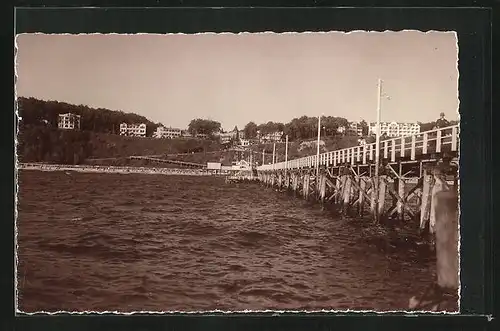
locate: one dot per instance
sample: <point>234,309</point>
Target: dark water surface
<point>95,242</point>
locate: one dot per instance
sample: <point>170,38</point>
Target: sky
<point>238,78</point>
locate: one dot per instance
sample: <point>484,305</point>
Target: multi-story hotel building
<point>394,129</point>
<point>225,138</point>
<point>354,129</point>
<point>164,132</point>
<point>68,121</point>
<point>136,130</point>
<point>271,137</point>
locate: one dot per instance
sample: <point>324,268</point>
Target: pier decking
<point>346,178</point>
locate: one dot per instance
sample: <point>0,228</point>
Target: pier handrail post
<point>377,150</point>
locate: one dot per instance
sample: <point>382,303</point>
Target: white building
<point>241,165</point>
<point>136,130</point>
<point>271,137</point>
<point>202,135</point>
<point>225,137</point>
<point>68,121</point>
<point>353,129</point>
<point>244,142</point>
<point>186,134</point>
<point>395,129</point>
<point>164,132</point>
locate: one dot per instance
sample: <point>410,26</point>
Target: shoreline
<point>115,169</point>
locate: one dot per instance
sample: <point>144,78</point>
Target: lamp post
<point>377,151</point>
<point>317,147</point>
<point>274,155</point>
<point>286,152</point>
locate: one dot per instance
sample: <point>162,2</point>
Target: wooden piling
<point>439,186</point>
<point>382,190</point>
<point>346,193</point>
<point>401,192</point>
<point>374,198</point>
<point>447,236</point>
<point>305,188</point>
<point>338,188</point>
<point>425,206</point>
<point>362,192</point>
<point>322,191</point>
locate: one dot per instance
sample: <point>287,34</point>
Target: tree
<point>37,112</point>
<point>202,126</point>
<point>364,127</point>
<point>250,130</point>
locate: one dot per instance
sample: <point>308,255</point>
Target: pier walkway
<point>412,170</point>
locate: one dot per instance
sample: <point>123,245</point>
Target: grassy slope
<point>41,144</point>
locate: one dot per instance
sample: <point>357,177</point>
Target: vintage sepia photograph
<point>237,172</point>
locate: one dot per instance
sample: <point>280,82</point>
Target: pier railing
<point>407,147</point>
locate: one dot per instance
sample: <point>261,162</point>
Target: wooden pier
<point>412,171</point>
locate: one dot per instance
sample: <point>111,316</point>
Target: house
<point>135,130</point>
<point>244,142</point>
<point>395,129</point>
<point>271,137</point>
<point>68,121</point>
<point>353,129</point>
<point>164,132</point>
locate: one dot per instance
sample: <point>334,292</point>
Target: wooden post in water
<point>347,193</point>
<point>382,188</point>
<point>294,183</point>
<point>305,187</point>
<point>322,191</point>
<point>362,190</point>
<point>439,186</point>
<point>447,254</point>
<point>426,199</point>
<point>373,197</point>
<point>338,188</point>
<point>402,193</point>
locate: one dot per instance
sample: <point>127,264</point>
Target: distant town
<point>71,121</point>
<point>61,133</point>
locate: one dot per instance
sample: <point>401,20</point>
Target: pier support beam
<point>425,206</point>
<point>322,188</point>
<point>374,198</point>
<point>362,192</point>
<point>346,193</point>
<point>402,192</point>
<point>440,185</point>
<point>382,190</point>
<point>305,187</point>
